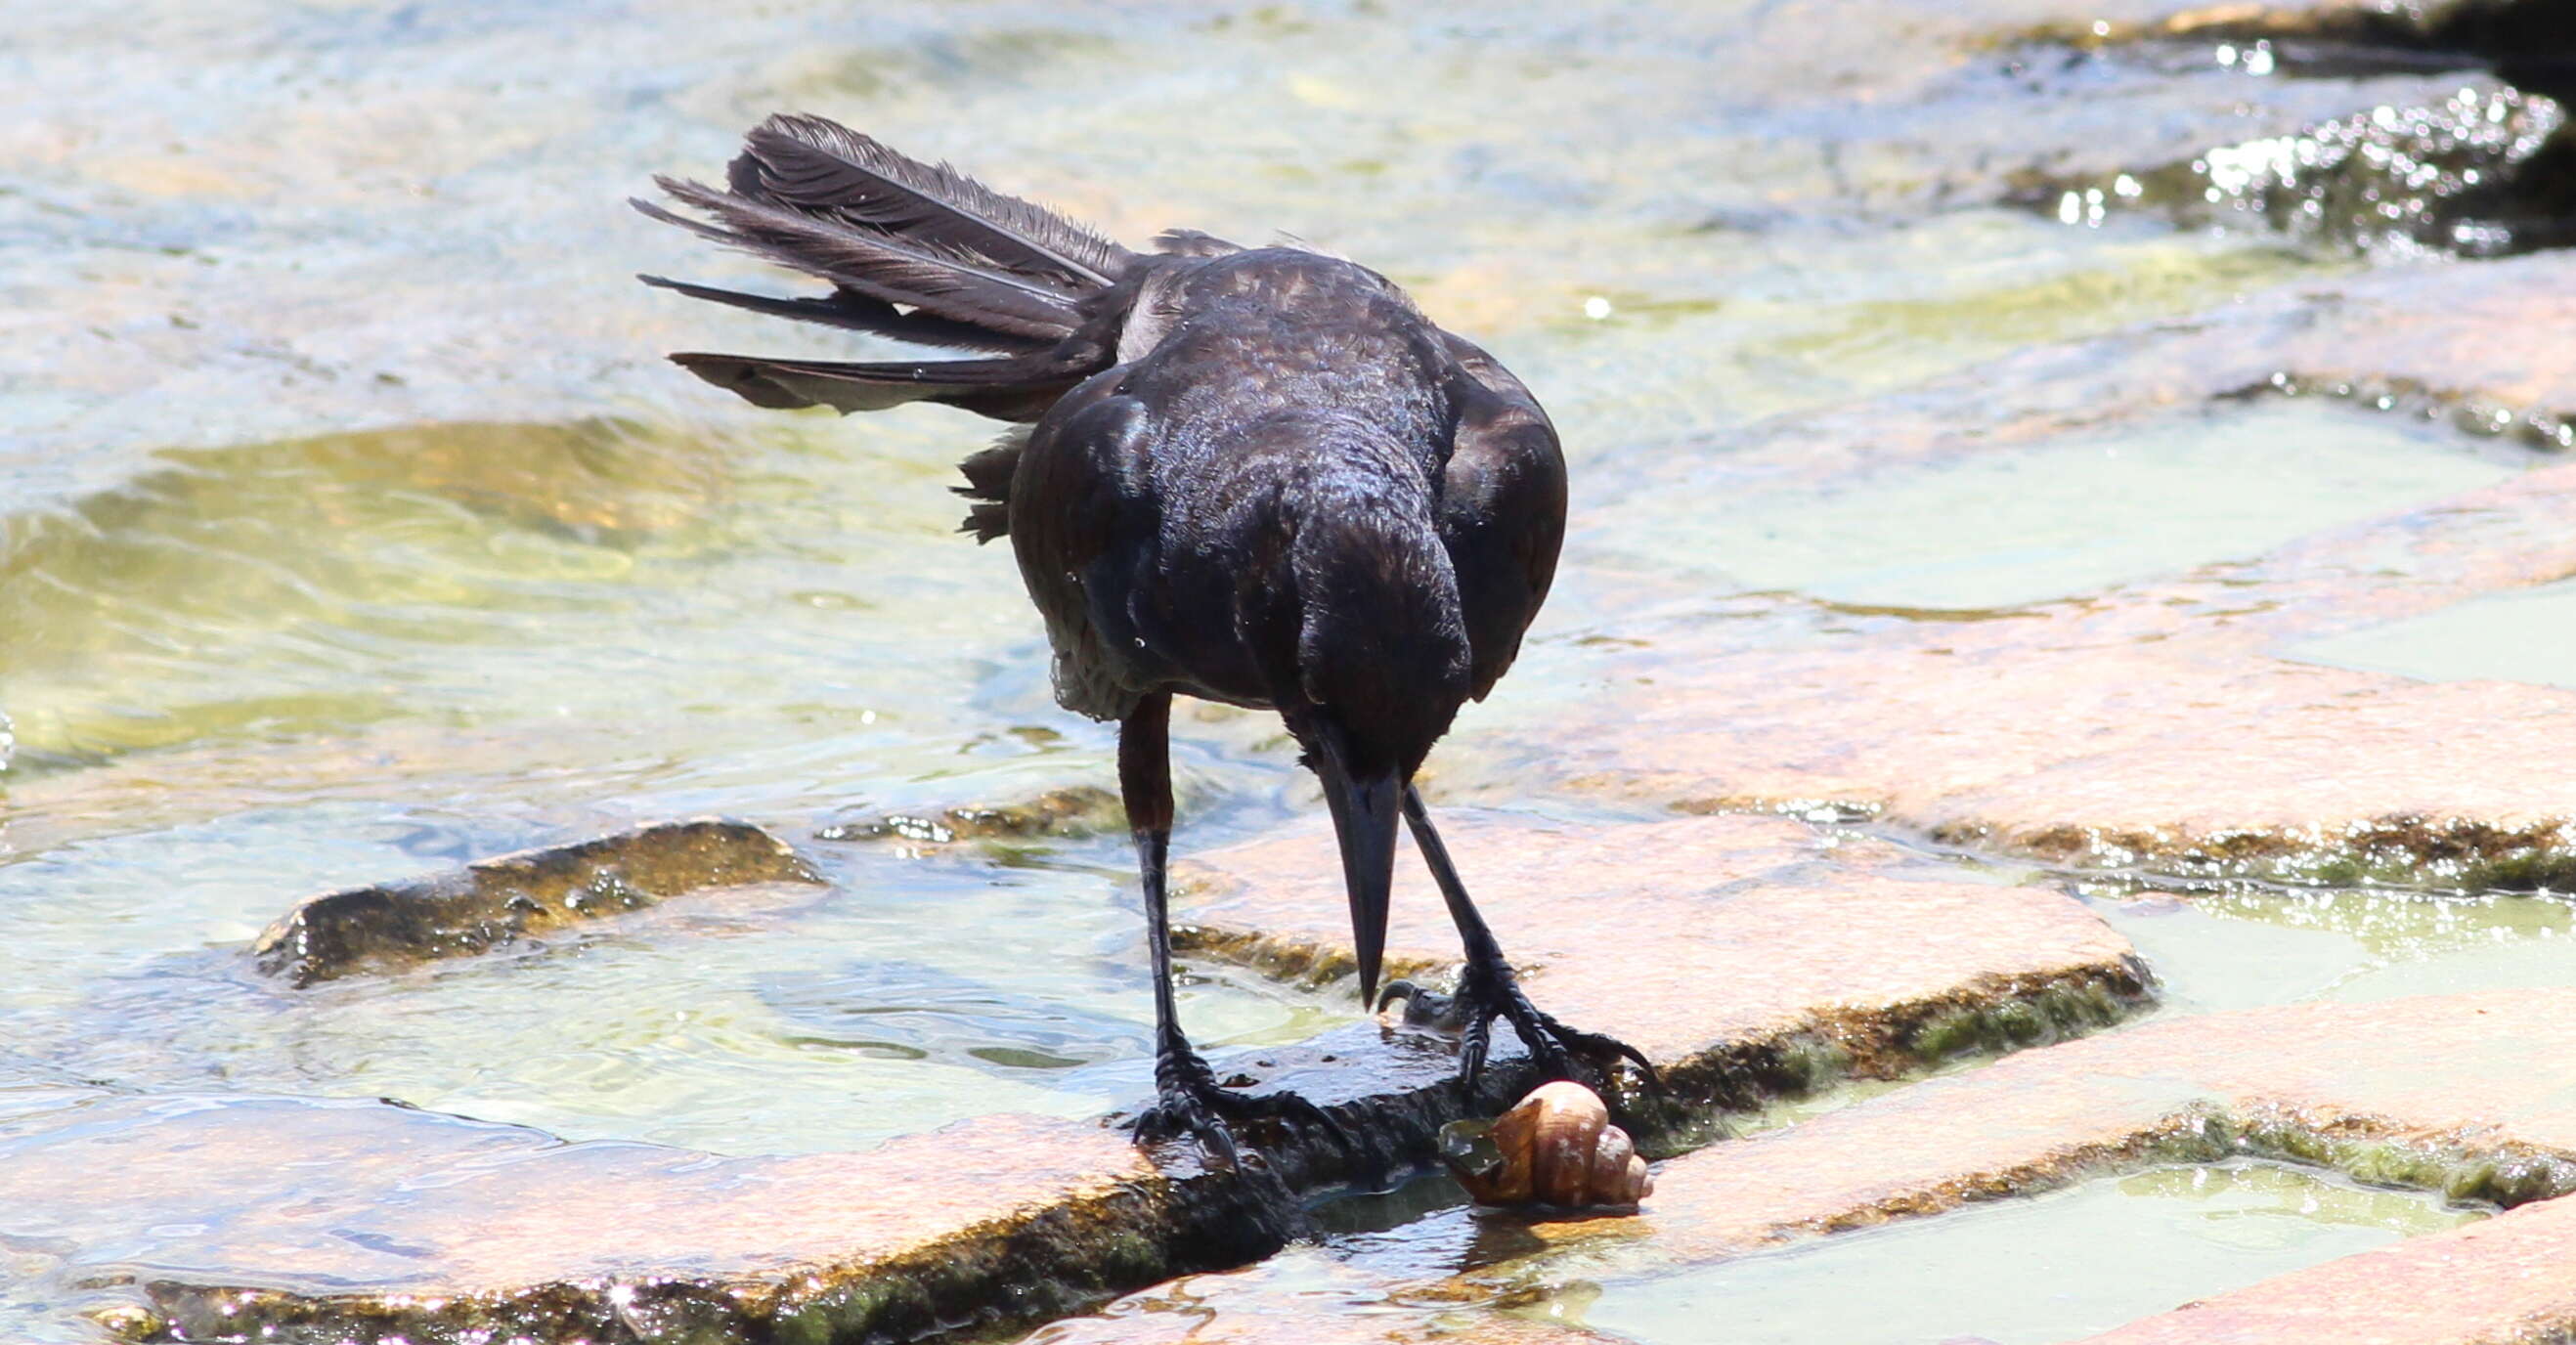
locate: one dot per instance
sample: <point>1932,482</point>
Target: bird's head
<point>1383,665</point>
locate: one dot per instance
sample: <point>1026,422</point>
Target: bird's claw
<point>1189,1100</point>
<point>1489,990</point>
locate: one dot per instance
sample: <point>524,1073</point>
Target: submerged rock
<point>2481,172</point>
<point>908,1010</point>
<point>492,902</point>
<point>1305,1296</point>
<point>2451,138</point>
<point>1074,811</point>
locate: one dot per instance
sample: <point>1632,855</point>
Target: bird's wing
<point>1078,504</point>
<point>1502,509</point>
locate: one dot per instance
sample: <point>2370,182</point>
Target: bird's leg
<point>1187,1095</point>
<point>1488,989</point>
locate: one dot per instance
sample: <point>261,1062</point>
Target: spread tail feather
<point>885,267</point>
<point>917,252</point>
<point>857,312</point>
<point>1007,389</point>
<point>821,167</point>
<point>898,238</point>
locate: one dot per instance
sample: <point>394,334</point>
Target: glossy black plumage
<point>1252,475</point>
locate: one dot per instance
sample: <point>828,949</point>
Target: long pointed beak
<point>1364,819</point>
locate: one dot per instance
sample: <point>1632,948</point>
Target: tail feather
<point>881,266</point>
<point>918,252</point>
<point>1006,389</point>
<point>847,308</point>
<point>823,168</point>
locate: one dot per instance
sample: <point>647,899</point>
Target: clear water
<point>2052,1267</point>
<point>1982,527</point>
<point>2526,636</point>
<point>2255,946</point>
<point>784,1019</point>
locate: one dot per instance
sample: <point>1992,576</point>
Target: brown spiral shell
<point>1556,1148</point>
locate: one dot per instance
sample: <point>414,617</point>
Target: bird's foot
<point>1189,1100</point>
<point>1489,990</point>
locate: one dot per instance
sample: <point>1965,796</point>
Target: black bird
<point>1252,475</point>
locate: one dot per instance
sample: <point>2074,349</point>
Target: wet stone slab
<point>1810,959</point>
<point>1676,934</point>
<point>2133,757</point>
<point>2167,721</point>
<point>499,901</point>
<point>2472,1097</point>
<point>2046,1268</point>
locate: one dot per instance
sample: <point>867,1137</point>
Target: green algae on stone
<point>2453,855</point>
<point>498,901</point>
<point>2052,1011</point>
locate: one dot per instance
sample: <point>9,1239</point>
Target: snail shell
<point>1557,1147</point>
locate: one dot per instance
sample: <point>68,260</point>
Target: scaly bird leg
<point>1187,1095</point>
<point>1488,988</point>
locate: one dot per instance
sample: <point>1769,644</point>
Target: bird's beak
<point>1364,819</point>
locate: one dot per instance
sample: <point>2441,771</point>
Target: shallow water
<point>845,1014</point>
<point>2528,636</point>
<point>2026,1272</point>
<point>2255,945</point>
<point>2081,513</point>
<point>352,526</point>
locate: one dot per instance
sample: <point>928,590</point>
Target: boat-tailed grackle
<point>1252,475</point>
